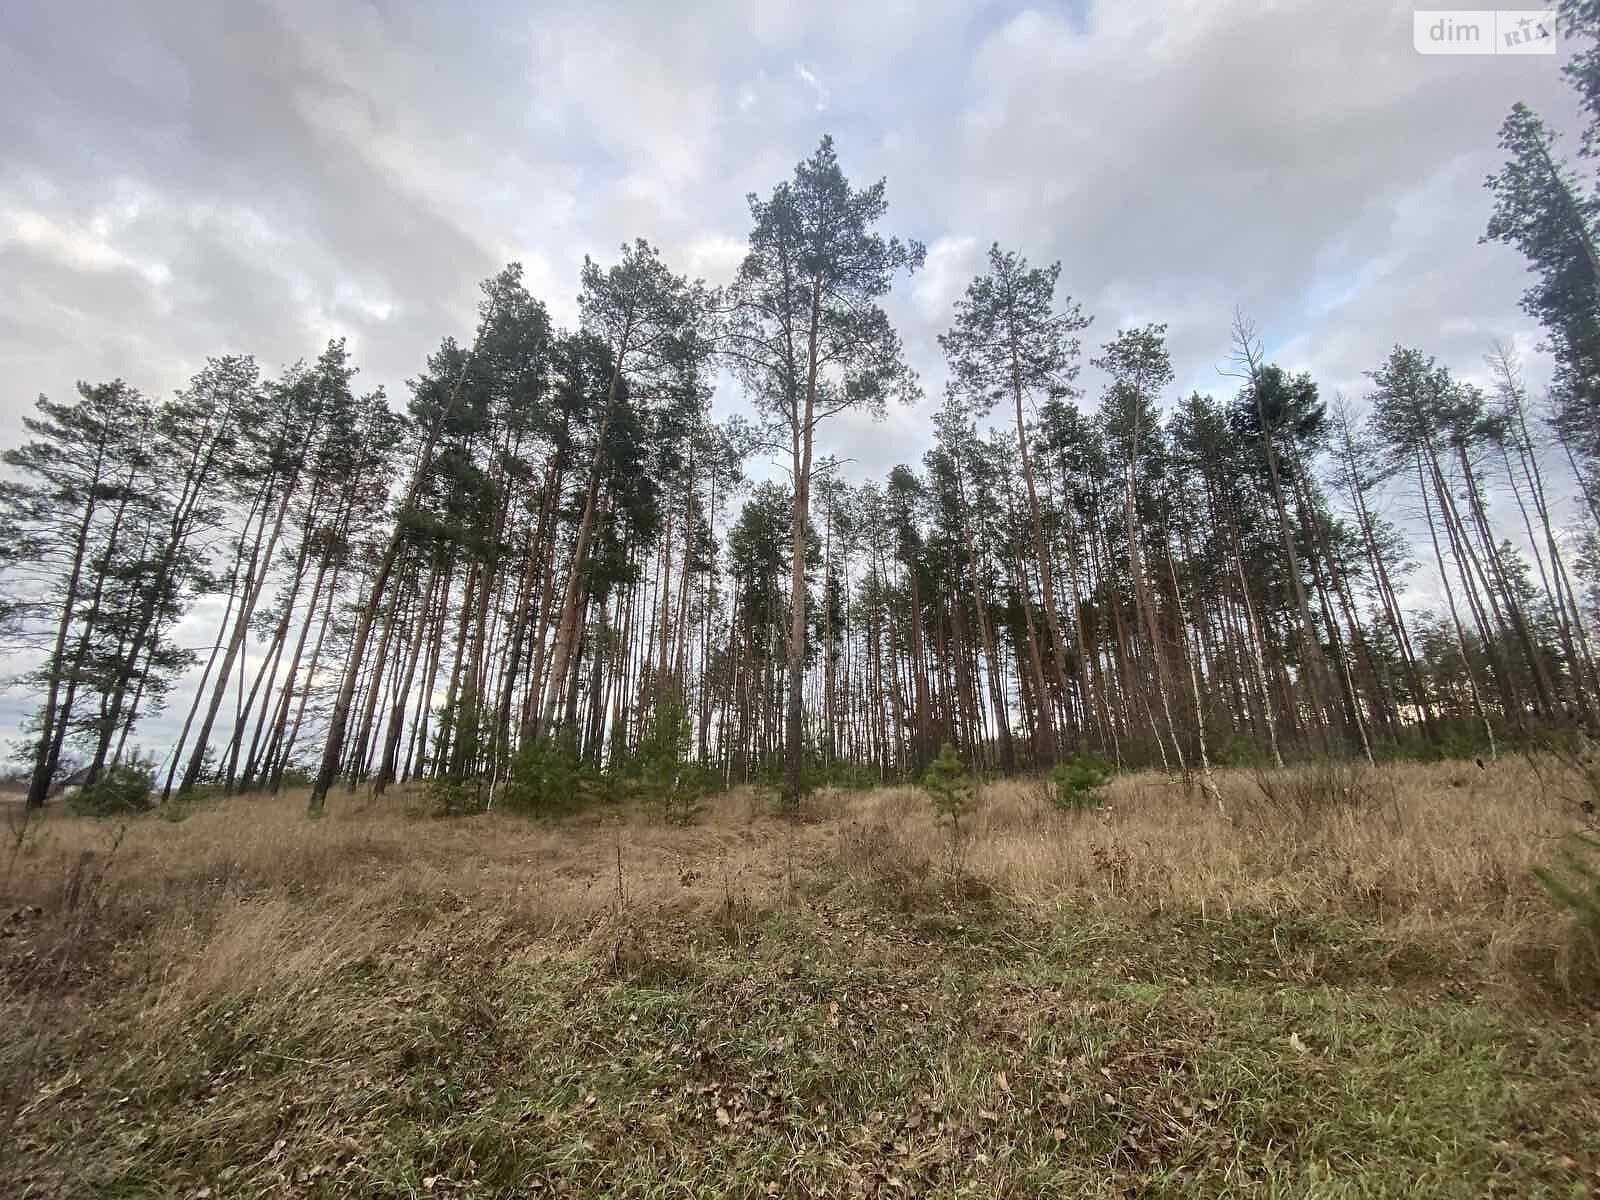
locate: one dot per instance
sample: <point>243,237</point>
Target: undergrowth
<point>1349,985</point>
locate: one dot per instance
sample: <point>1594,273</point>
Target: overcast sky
<point>180,180</point>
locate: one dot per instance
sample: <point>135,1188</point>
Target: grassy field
<point>1344,983</point>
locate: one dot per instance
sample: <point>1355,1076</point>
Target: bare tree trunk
<point>333,751</point>
<point>255,584</point>
<point>1046,580</point>
<point>48,752</point>
<point>1455,616</point>
<point>1208,783</point>
<point>280,719</point>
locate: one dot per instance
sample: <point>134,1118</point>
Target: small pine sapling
<point>122,788</point>
<point>1079,783</point>
<point>545,776</point>
<point>950,788</point>
<point>666,780</point>
<point>1575,883</point>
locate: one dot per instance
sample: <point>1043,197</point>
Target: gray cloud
<point>190,178</point>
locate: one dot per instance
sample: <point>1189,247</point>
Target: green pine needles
<point>950,787</point>
<point>1575,882</point>
<point>1080,783</point>
<point>662,776</point>
<point>122,788</point>
<point>548,777</point>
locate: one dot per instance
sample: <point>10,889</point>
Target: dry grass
<point>1438,854</point>
<point>208,967</point>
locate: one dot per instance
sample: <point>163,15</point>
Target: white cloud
<point>951,264</point>
<point>714,257</point>
<point>806,76</point>
<point>88,247</point>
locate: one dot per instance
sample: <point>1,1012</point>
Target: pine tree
<point>66,515</point>
<point>809,341</point>
<point>1010,339</point>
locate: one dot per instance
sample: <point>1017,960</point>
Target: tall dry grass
<point>207,972</point>
<point>1427,855</point>
<point>249,896</point>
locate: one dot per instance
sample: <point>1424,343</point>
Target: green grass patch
<point>826,1054</point>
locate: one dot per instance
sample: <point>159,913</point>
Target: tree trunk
<point>333,750</point>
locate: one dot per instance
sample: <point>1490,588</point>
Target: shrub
<point>121,789</point>
<point>845,776</point>
<point>1079,783</point>
<point>297,775</point>
<point>456,794</point>
<point>544,777</point>
<point>1241,750</point>
<point>1575,883</point>
<point>662,777</point>
<point>676,790</point>
<point>949,787</point>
